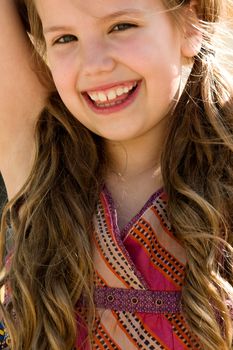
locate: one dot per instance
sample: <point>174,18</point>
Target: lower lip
<point>113,109</point>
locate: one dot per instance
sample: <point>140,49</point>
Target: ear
<point>192,36</point>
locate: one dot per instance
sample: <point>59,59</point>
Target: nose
<point>96,59</point>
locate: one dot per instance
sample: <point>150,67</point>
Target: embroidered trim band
<point>134,300</point>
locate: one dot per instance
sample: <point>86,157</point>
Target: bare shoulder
<point>22,97</point>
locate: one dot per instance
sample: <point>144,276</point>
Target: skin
<point>21,99</point>
<point>104,55</point>
<point>97,52</point>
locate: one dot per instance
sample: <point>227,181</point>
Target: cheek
<point>152,51</point>
<point>165,59</point>
<point>64,82</point>
<point>62,71</point>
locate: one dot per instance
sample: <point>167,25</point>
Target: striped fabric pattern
<point>144,256</point>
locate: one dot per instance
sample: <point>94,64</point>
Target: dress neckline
<point>150,201</point>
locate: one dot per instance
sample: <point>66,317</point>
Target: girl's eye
<point>65,39</point>
<point>122,26</point>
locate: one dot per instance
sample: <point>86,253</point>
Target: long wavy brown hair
<point>51,265</point>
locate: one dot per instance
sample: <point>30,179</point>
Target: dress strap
<point>134,300</point>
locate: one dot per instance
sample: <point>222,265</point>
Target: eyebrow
<point>128,12</point>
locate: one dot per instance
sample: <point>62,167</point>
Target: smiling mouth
<point>114,97</point>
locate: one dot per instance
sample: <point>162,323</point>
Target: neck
<point>134,173</point>
<point>133,158</point>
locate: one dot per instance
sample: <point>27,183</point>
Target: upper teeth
<point>110,95</point>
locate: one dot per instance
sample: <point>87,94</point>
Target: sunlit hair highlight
<point>52,269</point>
<point>197,168</point>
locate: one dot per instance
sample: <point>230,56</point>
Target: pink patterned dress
<point>139,276</point>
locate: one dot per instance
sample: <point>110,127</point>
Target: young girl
<point>118,232</point>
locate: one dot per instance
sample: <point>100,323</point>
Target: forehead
<point>93,8</point>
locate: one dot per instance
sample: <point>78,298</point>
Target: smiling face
<point>116,63</point>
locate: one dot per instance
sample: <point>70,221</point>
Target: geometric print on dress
<point>98,281</point>
<point>160,258</point>
<point>160,206</point>
<point>136,330</point>
<point>182,331</point>
<point>101,339</point>
<point>114,268</point>
<point>137,334</point>
<point>111,252</point>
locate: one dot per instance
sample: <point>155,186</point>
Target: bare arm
<point>21,99</point>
